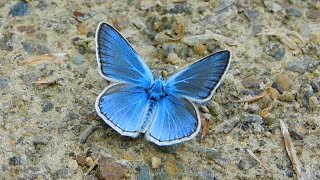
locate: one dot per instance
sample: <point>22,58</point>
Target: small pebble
<point>155,162</point>
<point>291,11</point>
<point>303,65</point>
<point>200,49</point>
<point>252,118</point>
<point>3,83</point>
<point>62,174</point>
<point>172,58</point>
<point>252,14</point>
<point>19,9</point>
<point>298,131</point>
<point>244,164</point>
<point>144,173</point>
<point>89,161</point>
<point>276,50</point>
<point>47,106</point>
<point>73,165</point>
<point>313,14</point>
<point>284,82</point>
<point>314,84</point>
<point>109,169</point>
<point>81,159</point>
<point>313,103</point>
<point>14,161</point>
<point>251,82</point>
<point>27,46</point>
<point>78,60</point>
<point>218,157</point>
<point>214,108</point>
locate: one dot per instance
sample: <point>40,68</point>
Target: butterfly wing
<point>122,106</point>
<point>175,120</point>
<point>117,60</point>
<point>198,81</point>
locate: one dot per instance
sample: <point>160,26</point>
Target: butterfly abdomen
<point>149,113</point>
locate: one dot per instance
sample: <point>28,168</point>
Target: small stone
<point>314,84</point>
<point>200,49</point>
<point>182,7</point>
<point>73,115</point>
<point>47,106</point>
<point>214,108</point>
<point>253,108</point>
<point>313,103</point>
<point>245,164</point>
<point>303,65</point>
<point>62,173</point>
<point>172,58</point>
<point>252,118</point>
<point>27,46</point>
<point>252,14</point>
<point>81,159</point>
<point>291,11</point>
<point>286,97</point>
<point>251,82</point>
<point>155,162</point>
<point>204,109</point>
<point>276,86</point>
<point>41,140</point>
<point>83,28</point>
<point>89,161</point>
<point>73,165</point>
<point>42,5</point>
<point>3,83</point>
<point>272,6</point>
<point>109,169</point>
<point>144,173</point>
<point>313,14</point>
<point>298,131</point>
<point>218,157</point>
<point>275,50</point>
<point>19,9</point>
<point>290,173</point>
<point>14,161</point>
<point>256,28</point>
<point>285,83</point>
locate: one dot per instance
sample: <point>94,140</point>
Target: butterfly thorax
<point>156,91</point>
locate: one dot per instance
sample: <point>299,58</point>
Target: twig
<point>290,149</point>
<point>255,157</point>
<point>251,99</point>
<point>95,162</point>
<point>86,133</point>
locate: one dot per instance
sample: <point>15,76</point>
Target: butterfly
<point>136,102</point>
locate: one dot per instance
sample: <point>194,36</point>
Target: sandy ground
<point>49,81</point>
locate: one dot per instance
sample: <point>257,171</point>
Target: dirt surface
<point>49,82</point>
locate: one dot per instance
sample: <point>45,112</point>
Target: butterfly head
<point>156,91</point>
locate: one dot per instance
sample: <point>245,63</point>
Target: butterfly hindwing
<point>176,120</point>
<point>122,106</point>
<point>198,81</point>
<point>117,60</point>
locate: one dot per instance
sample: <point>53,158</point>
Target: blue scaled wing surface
<point>175,120</point>
<point>117,60</point>
<point>198,81</point>
<point>122,107</point>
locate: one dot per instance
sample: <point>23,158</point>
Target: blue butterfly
<point>137,103</point>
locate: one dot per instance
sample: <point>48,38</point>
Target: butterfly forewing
<point>117,60</point>
<point>198,81</point>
